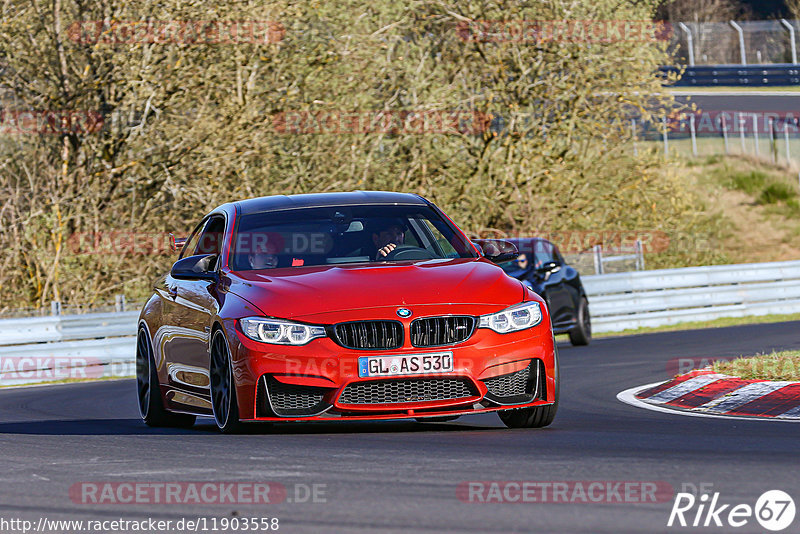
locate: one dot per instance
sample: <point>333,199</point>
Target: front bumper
<point>320,380</point>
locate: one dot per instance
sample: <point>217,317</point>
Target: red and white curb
<point>705,393</point>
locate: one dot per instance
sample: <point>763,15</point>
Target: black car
<point>541,267</point>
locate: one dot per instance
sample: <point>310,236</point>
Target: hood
<point>306,291</point>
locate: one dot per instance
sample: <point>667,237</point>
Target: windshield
<point>342,235</point>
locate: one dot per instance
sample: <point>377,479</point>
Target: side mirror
<point>497,250</point>
<point>199,267</point>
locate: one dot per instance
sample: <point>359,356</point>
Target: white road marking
<point>629,397</point>
<point>794,412</point>
<point>687,386</point>
<point>740,397</point>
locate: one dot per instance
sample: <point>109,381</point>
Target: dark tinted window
<point>210,241</point>
<point>339,235</point>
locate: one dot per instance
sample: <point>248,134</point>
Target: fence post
<point>598,260</point>
<point>741,41</point>
<point>693,133</point>
<point>689,42</point>
<point>639,255</point>
<point>741,131</point>
<point>55,308</point>
<point>666,138</point>
<point>791,39</point>
<point>773,144</point>
<point>119,303</point>
<point>786,141</point>
<point>755,132</point>
<point>725,132</point>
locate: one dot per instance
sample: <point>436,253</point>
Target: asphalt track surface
<point>754,103</point>
<point>402,476</point>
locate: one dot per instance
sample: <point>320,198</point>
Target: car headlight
<point>279,332</point>
<point>513,319</point>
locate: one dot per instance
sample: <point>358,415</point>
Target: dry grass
<point>784,365</point>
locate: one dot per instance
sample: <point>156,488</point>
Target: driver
<point>262,257</point>
<point>387,235</point>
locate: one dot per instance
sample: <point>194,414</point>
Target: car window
<point>210,241</point>
<point>191,244</point>
<point>447,248</point>
<point>346,234</point>
<point>545,253</point>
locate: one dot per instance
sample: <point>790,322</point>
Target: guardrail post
<point>119,303</point>
<point>741,41</point>
<point>639,255</point>
<point>55,308</point>
<point>689,42</point>
<point>693,133</point>
<point>598,259</point>
<point>789,27</point>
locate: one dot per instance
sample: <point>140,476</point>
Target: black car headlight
<point>513,319</point>
<point>280,332</point>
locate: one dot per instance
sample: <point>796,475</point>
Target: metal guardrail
<point>45,349</point>
<point>670,296</point>
<point>66,327</point>
<point>737,75</point>
<point>41,349</point>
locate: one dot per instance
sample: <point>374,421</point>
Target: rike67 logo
<point>774,510</point>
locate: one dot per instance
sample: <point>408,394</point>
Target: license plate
<point>407,364</point>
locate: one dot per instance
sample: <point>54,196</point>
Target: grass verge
<point>784,365</point>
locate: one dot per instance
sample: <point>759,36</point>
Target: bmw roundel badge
<point>403,312</point>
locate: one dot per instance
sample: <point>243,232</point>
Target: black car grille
<point>407,390</point>
<point>518,383</point>
<point>439,331</point>
<point>290,399</point>
<point>369,334</point>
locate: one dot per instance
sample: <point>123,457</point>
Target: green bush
<point>776,192</point>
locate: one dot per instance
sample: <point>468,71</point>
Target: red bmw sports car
<point>342,306</point>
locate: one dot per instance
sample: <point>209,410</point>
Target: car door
<point>194,304</point>
<point>553,284</point>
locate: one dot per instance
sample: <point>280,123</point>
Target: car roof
<point>321,200</point>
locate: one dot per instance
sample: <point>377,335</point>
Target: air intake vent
<point>441,331</point>
<point>293,400</point>
<point>512,384</point>
<point>369,334</point>
<point>407,391</point>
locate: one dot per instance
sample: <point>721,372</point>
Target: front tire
<point>223,387</point>
<point>151,406</point>
<point>581,334</point>
<point>538,416</point>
